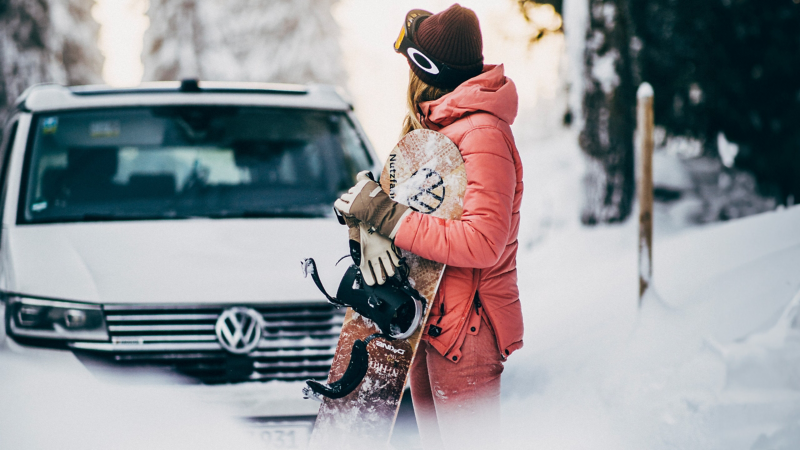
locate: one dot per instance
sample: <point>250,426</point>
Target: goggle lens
<point>400,39</point>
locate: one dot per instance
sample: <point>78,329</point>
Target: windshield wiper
<point>110,217</point>
<point>268,215</point>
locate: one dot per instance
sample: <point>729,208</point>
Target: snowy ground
<point>709,362</point>
<point>46,404</point>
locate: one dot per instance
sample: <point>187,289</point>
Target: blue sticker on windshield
<point>50,125</point>
<point>38,207</point>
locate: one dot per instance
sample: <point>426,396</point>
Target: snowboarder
<point>476,319</point>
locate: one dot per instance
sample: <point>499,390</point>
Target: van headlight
<point>50,319</point>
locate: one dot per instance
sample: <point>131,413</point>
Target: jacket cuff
<point>406,230</point>
<point>396,228</point>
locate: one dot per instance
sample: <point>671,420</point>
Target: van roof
<point>53,97</point>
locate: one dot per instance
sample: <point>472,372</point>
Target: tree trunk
<point>608,110</point>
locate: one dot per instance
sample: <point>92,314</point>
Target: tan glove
<point>379,257</point>
<point>367,202</point>
<point>352,228</point>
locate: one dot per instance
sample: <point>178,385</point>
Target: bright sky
<point>122,27</point>
<point>377,76</point>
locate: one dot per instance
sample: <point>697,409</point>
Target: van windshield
<point>179,162</point>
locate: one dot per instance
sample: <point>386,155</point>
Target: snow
<point>710,361</point>
<point>45,41</point>
<point>289,41</point>
<point>45,406</point>
<point>727,150</point>
<point>669,172</point>
<point>645,271</point>
<point>645,91</point>
<point>684,146</point>
<point>75,40</point>
<point>604,70</point>
<point>576,21</point>
<point>404,191</point>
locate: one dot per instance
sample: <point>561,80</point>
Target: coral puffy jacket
<point>479,249</point>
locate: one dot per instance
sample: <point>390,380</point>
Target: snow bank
<point>710,361</point>
<point>46,406</point>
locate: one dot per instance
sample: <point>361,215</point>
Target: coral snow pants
<point>458,405</point>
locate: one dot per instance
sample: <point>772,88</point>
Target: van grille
<point>298,342</point>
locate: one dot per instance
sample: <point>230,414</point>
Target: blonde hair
<point>418,92</point>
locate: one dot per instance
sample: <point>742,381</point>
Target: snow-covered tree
<point>602,96</point>
<point>46,41</point>
<point>600,42</point>
<point>292,41</point>
<point>705,94</point>
<point>608,113</point>
<point>75,45</point>
<point>728,68</point>
<point>25,31</point>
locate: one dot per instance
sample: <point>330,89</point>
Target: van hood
<point>174,262</point>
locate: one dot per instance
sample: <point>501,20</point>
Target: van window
<point>178,162</point>
<point>5,155</point>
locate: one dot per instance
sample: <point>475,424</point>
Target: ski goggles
<point>441,73</point>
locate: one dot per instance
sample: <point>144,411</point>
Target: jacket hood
<point>490,92</point>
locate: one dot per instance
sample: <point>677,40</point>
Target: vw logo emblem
<point>239,330</point>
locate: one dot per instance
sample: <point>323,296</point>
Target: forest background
<point>724,72</point>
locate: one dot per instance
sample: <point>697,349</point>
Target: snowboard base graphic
<point>426,172</point>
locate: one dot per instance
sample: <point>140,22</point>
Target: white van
<point>162,227</point>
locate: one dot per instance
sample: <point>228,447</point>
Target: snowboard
<point>425,171</point>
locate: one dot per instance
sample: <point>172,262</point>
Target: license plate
<point>283,435</point>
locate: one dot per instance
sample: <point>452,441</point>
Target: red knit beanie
<point>452,36</point>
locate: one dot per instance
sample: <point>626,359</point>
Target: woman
<point>476,320</point>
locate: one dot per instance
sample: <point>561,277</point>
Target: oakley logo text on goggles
<point>405,44</point>
<point>422,61</point>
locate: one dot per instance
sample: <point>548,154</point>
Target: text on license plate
<point>283,435</point>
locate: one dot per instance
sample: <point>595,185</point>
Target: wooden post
<point>644,188</point>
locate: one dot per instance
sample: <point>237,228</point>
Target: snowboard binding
<point>396,308</point>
